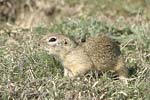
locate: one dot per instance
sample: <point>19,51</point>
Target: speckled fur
<point>103,51</point>
<point>100,53</point>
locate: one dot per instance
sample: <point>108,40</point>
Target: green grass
<point>29,73</point>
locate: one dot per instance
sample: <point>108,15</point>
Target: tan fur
<point>100,53</point>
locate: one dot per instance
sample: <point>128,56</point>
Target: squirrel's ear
<point>80,39</point>
<point>66,41</point>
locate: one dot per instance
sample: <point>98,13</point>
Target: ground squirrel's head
<point>57,44</point>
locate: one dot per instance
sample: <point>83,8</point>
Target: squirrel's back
<point>103,51</point>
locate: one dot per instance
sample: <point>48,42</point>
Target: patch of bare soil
<point>27,13</point>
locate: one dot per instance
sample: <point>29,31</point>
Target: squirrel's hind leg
<point>122,70</point>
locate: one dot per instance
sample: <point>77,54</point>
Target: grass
<point>28,73</point>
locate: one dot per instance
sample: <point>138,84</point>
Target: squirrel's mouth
<point>47,49</point>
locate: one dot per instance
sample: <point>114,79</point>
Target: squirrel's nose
<point>39,44</point>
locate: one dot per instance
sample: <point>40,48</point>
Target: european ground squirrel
<point>100,53</point>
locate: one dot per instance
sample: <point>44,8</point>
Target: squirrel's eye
<point>52,40</point>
